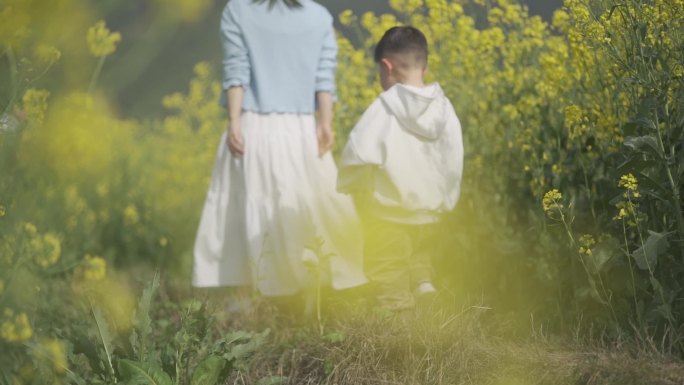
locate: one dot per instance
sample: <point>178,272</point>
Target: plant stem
<point>14,78</point>
<point>631,273</point>
<point>648,265</point>
<point>673,185</point>
<point>96,73</point>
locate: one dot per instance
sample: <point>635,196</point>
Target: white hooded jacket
<point>405,155</point>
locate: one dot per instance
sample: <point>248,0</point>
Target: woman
<point>272,219</point>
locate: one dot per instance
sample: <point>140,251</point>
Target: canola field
<point>571,208</point>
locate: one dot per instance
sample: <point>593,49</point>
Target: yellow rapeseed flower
<point>561,20</point>
<point>30,229</point>
<point>15,327</point>
<point>346,17</point>
<point>46,55</point>
<point>629,182</point>
<point>48,250</point>
<point>552,200</point>
<point>586,241</point>
<point>94,268</point>
<point>625,208</point>
<point>3,211</point>
<point>621,214</point>
<point>131,215</point>
<point>51,351</point>
<point>101,41</point>
<point>35,103</point>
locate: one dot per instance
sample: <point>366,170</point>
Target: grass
<point>438,343</point>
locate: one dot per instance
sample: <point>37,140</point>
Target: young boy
<point>403,164</point>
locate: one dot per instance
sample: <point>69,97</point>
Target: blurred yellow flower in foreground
<point>15,327</point>
<point>101,41</point>
<point>111,294</point>
<point>51,351</point>
<point>46,55</point>
<point>47,249</point>
<point>30,229</point>
<point>94,268</point>
<point>3,211</point>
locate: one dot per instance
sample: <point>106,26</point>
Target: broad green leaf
<point>334,337</point>
<point>647,144</point>
<point>208,371</point>
<point>272,380</point>
<point>239,335</point>
<point>646,256</point>
<point>600,258</point>
<point>141,373</point>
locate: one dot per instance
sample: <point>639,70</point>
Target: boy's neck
<point>413,78</point>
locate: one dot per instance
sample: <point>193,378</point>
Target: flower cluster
<point>630,184</point>
<point>586,242</point>
<point>35,104</point>
<point>93,268</point>
<point>51,352</point>
<point>15,327</point>
<point>101,41</point>
<point>552,201</point>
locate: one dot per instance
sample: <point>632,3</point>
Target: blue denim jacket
<point>281,56</point>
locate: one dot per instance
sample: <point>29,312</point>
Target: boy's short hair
<point>406,41</point>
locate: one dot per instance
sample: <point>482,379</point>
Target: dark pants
<point>397,258</point>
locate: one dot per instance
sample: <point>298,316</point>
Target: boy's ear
<point>387,64</point>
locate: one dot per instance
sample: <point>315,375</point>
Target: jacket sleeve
<point>364,151</point>
<point>327,62</point>
<point>236,67</point>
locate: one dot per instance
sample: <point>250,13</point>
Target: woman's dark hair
<point>403,40</point>
<point>288,3</point>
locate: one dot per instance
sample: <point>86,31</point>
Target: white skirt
<point>272,218</point>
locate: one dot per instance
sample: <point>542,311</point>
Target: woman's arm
<point>324,132</point>
<point>236,73</point>
<point>325,90</point>
<point>234,141</point>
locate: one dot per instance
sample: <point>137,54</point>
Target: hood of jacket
<point>422,111</point>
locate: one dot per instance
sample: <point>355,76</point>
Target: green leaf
<point>273,380</point>
<point>240,352</point>
<point>646,256</point>
<point>143,322</point>
<point>647,144</point>
<point>102,329</point>
<point>208,371</point>
<point>600,257</point>
<point>334,337</point>
<point>143,373</point>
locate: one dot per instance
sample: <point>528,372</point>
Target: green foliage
<point>208,371</point>
<point>273,380</point>
<point>571,205</point>
<point>142,373</point>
